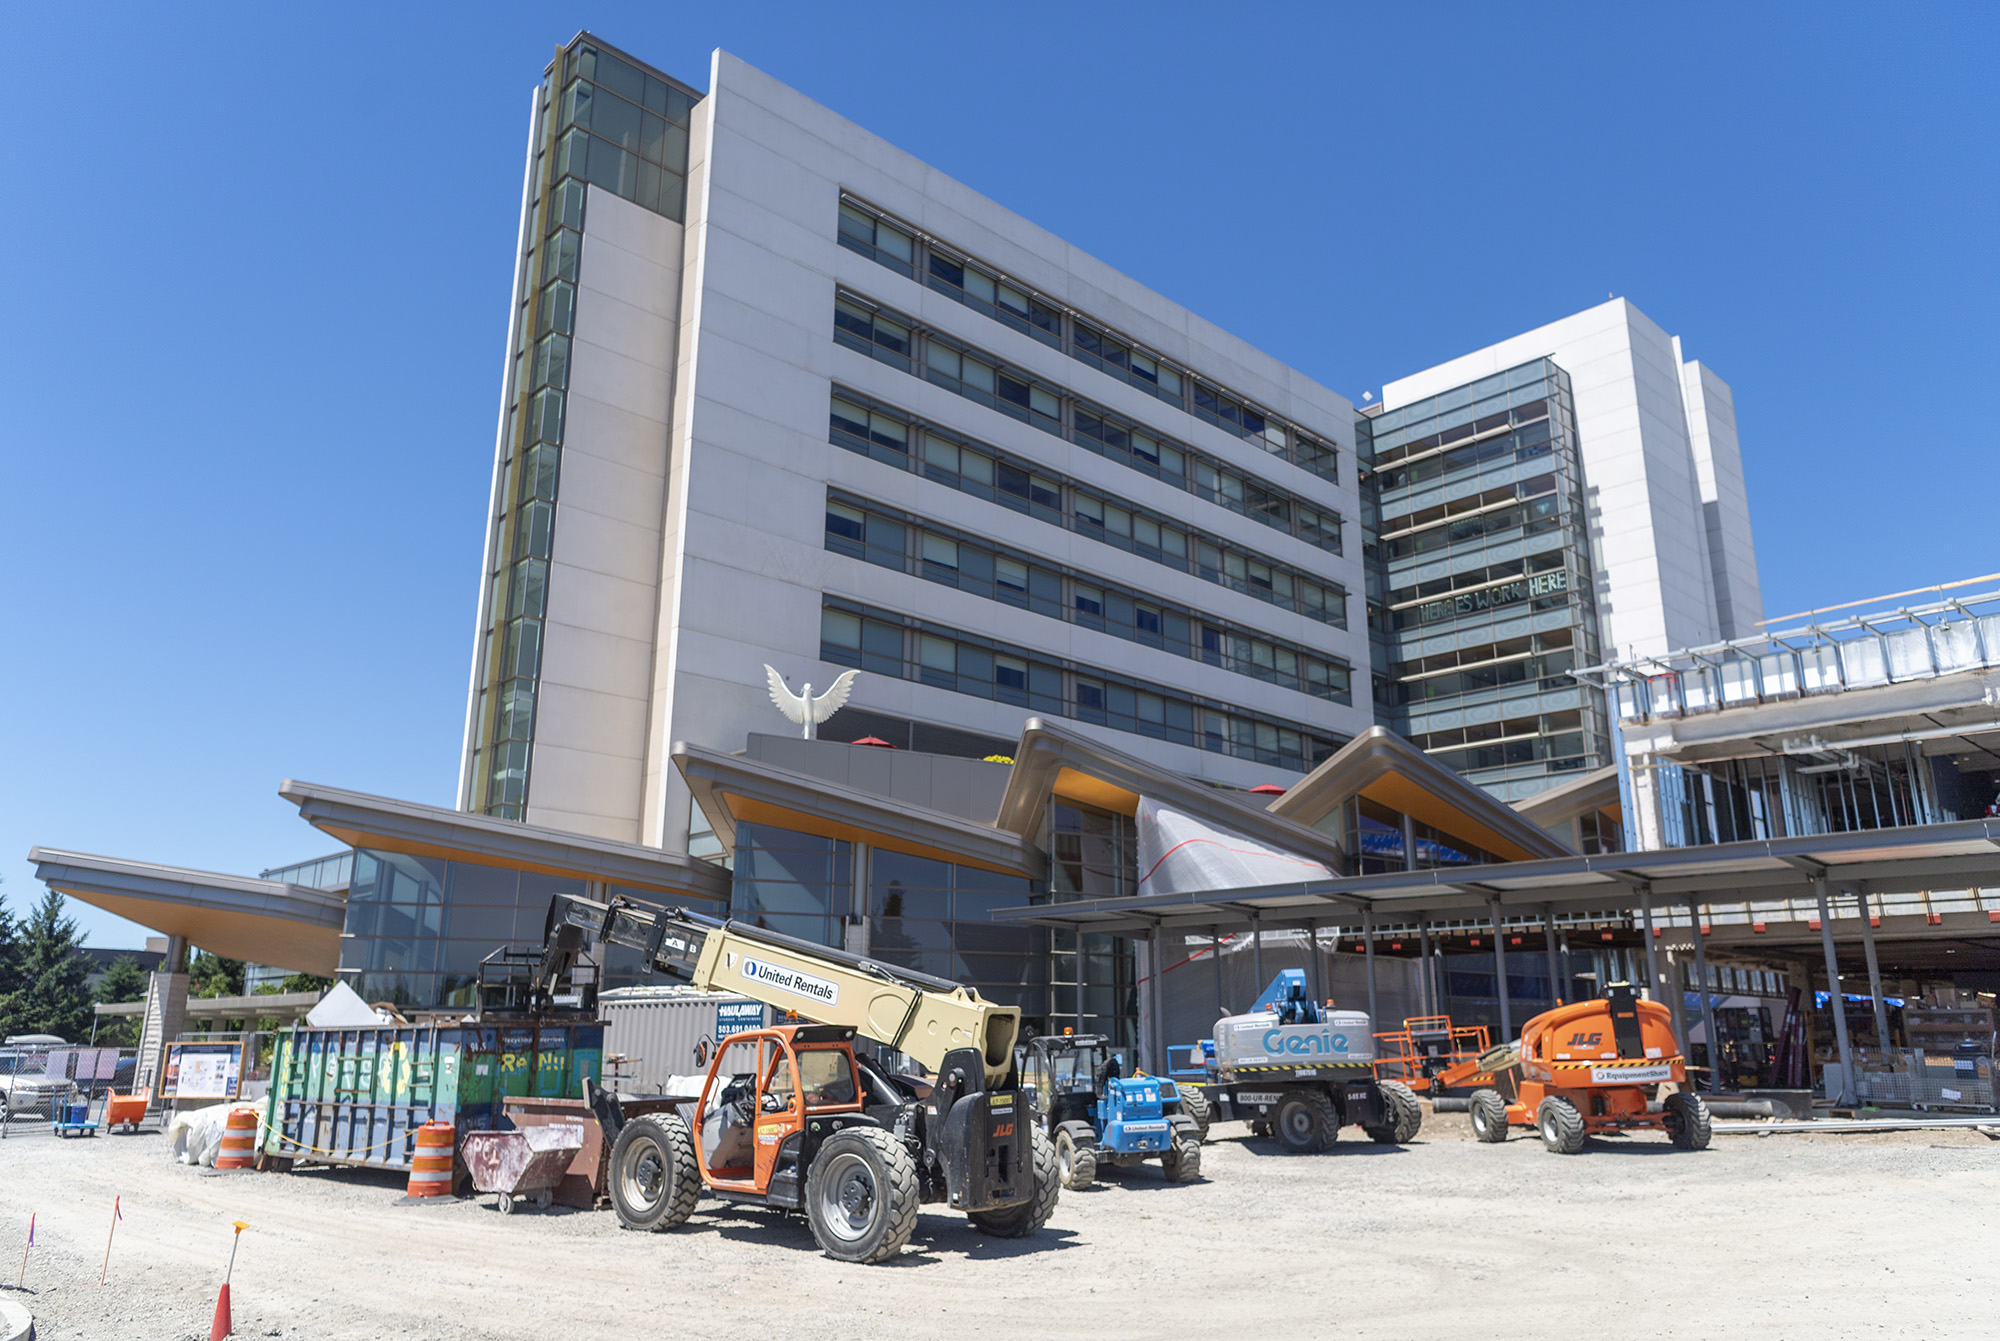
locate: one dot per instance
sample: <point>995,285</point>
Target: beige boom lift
<point>852,1146</point>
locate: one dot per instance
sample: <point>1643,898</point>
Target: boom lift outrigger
<point>852,1146</point>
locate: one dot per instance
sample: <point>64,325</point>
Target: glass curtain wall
<point>1480,580</point>
<point>417,927</point>
<point>602,120</point>
<point>1093,984</point>
<point>923,914</point>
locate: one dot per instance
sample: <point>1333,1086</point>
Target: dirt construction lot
<point>1775,1237</point>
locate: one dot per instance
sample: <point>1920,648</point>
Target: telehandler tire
<point>654,1182</point>
<point>1195,1104</point>
<point>1305,1123</point>
<point>1076,1165</point>
<point>1182,1164</point>
<point>1017,1222</point>
<point>1489,1116</point>
<point>861,1195</point>
<point>1561,1125</point>
<point>1687,1121</point>
<point>1406,1115</point>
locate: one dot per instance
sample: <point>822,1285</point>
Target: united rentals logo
<point>791,980</point>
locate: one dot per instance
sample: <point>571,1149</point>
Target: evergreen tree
<point>10,971</point>
<point>51,997</point>
<point>212,975</point>
<point>125,980</point>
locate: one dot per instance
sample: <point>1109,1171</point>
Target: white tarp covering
<point>1180,854</point>
<point>341,1008</point>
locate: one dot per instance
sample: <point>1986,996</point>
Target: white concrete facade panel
<point>1656,584</point>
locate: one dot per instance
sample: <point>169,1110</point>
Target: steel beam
<point>1500,972</point>
<point>1835,1000</point>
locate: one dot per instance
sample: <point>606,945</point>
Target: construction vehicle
<point>1425,1047</point>
<point>789,1117</point>
<point>1299,1072</point>
<point>1590,1067</point>
<point>1097,1118</point>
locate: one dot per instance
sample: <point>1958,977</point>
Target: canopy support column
<point>1707,1002</point>
<point>1424,986</point>
<point>1557,987</point>
<point>1368,945</point>
<point>1874,972</point>
<point>1835,1000</point>
<point>1500,972</point>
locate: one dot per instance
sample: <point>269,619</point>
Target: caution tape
<point>300,1147</point>
<point>1585,1066</point>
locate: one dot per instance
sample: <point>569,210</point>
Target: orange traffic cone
<point>220,1327</point>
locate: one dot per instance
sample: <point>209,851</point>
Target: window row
<point>887,644</point>
<point>886,537</point>
<point>1410,429</point>
<point>870,428</point>
<point>1467,658</point>
<point>892,338</point>
<point>1548,738</point>
<point>1549,671</point>
<point>1538,511</point>
<point>901,248</point>
<point>1531,439</point>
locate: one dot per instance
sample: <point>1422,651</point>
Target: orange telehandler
<point>1591,1066</point>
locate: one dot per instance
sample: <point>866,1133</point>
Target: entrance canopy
<point>1874,861</point>
<point>265,921</point>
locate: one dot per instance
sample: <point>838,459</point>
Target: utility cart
<point>521,1165</point>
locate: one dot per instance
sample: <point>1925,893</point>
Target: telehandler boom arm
<point>919,1015</point>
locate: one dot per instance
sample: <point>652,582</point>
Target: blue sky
<point>262,256</point>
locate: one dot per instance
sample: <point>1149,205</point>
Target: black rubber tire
<point>1405,1114</point>
<point>1195,1104</point>
<point>1561,1126</point>
<point>1687,1121</point>
<point>1076,1165</point>
<point>861,1195</point>
<point>1017,1222</point>
<point>654,1181</point>
<point>1182,1164</point>
<point>1489,1116</point>
<point>1305,1122</point>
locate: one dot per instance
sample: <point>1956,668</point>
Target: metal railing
<point>1823,656</point>
<point>38,1081</point>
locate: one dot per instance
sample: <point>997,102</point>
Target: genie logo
<point>1276,1041</point>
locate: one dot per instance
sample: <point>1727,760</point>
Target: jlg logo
<point>1583,1040</point>
<point>1004,1129</point>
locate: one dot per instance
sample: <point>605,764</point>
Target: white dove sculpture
<point>803,708</point>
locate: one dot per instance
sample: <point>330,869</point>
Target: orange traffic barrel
<point>239,1140</point>
<point>430,1171</point>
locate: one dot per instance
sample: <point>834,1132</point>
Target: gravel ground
<point>1887,1235</point>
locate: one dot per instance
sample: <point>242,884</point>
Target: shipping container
<point>357,1096</point>
<point>663,1032</point>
